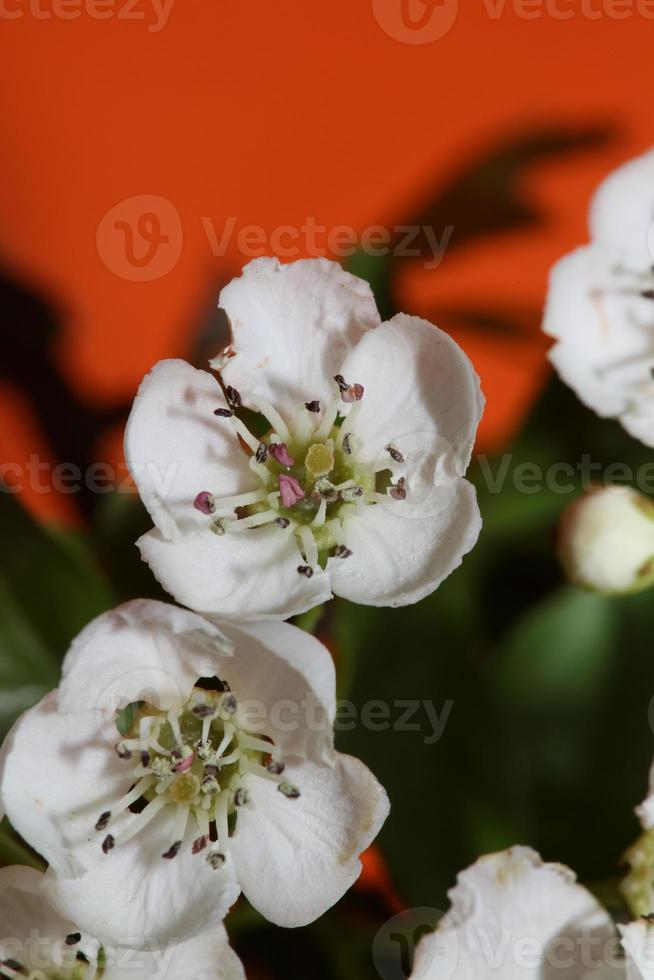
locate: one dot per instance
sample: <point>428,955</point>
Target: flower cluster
<point>159,781</point>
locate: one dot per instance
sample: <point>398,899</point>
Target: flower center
<point>310,476</point>
<point>194,759</point>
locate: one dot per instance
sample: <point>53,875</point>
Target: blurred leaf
<point>13,851</point>
<point>51,585</point>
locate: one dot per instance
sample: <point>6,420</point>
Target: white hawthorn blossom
<point>516,918</point>
<point>178,764</point>
<point>600,307</point>
<point>606,540</point>
<point>36,943</point>
<point>353,482</point>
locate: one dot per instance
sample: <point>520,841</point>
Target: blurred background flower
<point>149,151</point>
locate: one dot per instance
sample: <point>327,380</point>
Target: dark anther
<point>210,772</point>
<point>241,797</point>
<point>282,521</point>
<point>398,492</point>
<point>172,851</point>
<point>275,768</point>
<point>122,752</point>
<point>347,444</point>
<point>648,294</point>
<point>108,843</point>
<point>200,844</point>
<point>176,755</point>
<point>395,454</point>
<point>353,393</point>
<point>305,570</point>
<point>262,453</point>
<point>82,957</point>
<point>204,502</point>
<point>312,406</point>
<point>216,860</point>
<point>145,760</point>
<point>223,413</point>
<point>233,397</point>
<point>229,704</point>
<point>340,551</point>
<point>13,965</point>
<point>202,710</point>
<point>73,939</point>
<point>341,382</point>
<point>103,820</point>
<point>289,791</point>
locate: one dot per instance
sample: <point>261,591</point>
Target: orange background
<point>272,112</point>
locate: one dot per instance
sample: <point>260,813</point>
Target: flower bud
<point>606,541</point>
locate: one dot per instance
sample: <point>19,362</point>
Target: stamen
<point>282,522</point>
<point>309,546</point>
<point>289,791</point>
<point>312,406</point>
<point>279,452</point>
<point>223,413</point>
<point>321,513</point>
<point>261,454</point>
<point>348,423</point>
<point>233,397</point>
<point>141,821</point>
<point>250,441</point>
<point>204,502</point>
<point>353,394</point>
<point>305,570</point>
<point>398,492</point>
<point>199,844</point>
<point>347,444</point>
<point>256,520</point>
<point>108,843</point>
<point>328,419</point>
<point>216,860</point>
<point>103,820</point>
<point>241,500</point>
<point>273,416</point>
<point>395,454</point>
<point>340,551</point>
<point>74,939</point>
<point>352,494</point>
<point>172,851</point>
<point>241,797</point>
<point>290,489</point>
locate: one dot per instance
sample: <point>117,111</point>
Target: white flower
<point>226,754</point>
<point>606,540</point>
<point>600,307</point>
<point>515,918</point>
<point>36,943</point>
<point>374,509</point>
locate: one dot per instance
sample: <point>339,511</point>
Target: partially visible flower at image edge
<point>218,774</point>
<point>515,917</point>
<point>36,942</point>
<point>600,306</point>
<point>354,483</point>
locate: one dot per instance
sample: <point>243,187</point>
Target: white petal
<point>638,944</point>
<point>176,447</point>
<point>622,210</point>
<point>23,908</point>
<point>134,897</point>
<point>515,918</point>
<point>142,650</point>
<point>289,675</point>
<point>207,957</point>
<point>398,559</point>
<point>605,349</point>
<point>292,326</point>
<point>58,773</point>
<point>246,575</point>
<point>296,858</point>
<point>418,382</point>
